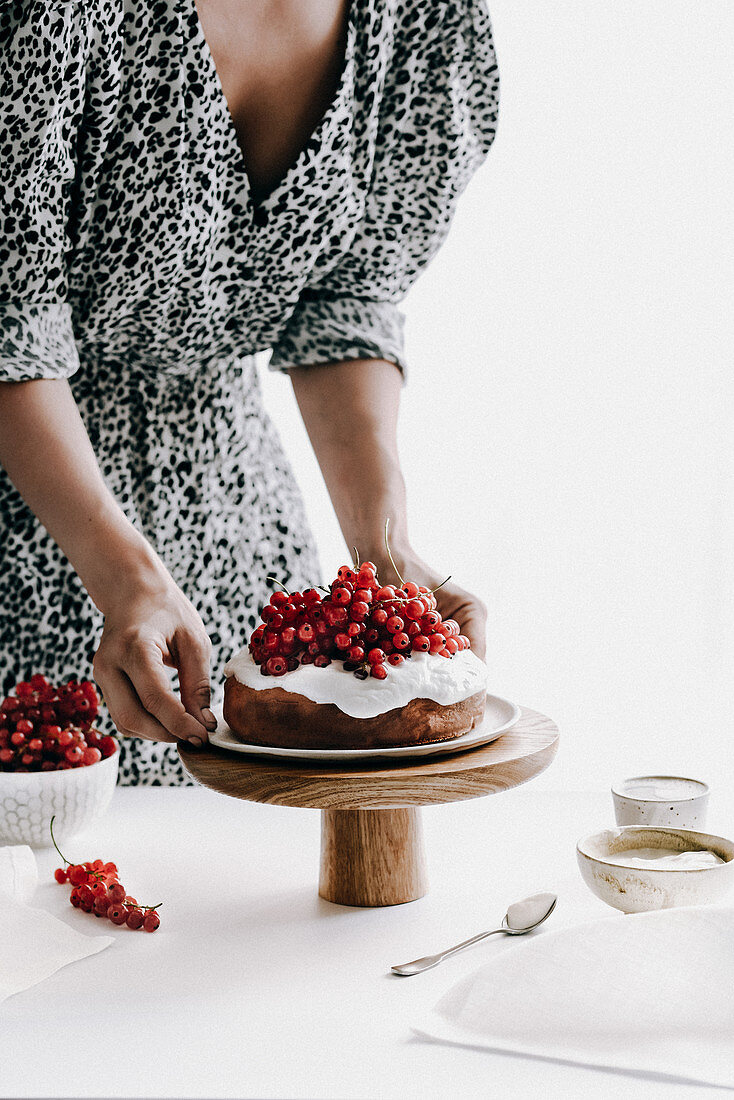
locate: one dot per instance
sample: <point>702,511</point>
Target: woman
<point>184,184</point>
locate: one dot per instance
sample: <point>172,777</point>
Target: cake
<point>357,665</point>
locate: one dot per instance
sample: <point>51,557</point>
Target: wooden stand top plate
<point>518,755</point>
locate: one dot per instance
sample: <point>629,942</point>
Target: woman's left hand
<point>453,602</point>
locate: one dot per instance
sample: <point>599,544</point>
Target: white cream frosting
<point>421,676</point>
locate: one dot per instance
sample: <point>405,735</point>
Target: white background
<point>566,429</point>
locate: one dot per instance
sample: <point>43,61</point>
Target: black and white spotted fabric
<point>135,262</point>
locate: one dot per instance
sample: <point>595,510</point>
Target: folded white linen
<point>33,944</point>
<point>649,992</point>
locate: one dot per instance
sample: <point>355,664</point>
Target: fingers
<point>125,708</point>
<point>193,677</point>
<point>148,676</point>
<point>474,627</point>
<point>140,696</point>
<point>471,615</point>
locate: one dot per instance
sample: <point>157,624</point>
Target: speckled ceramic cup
<point>663,800</point>
<point>75,796</point>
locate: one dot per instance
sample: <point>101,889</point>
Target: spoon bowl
<point>521,917</point>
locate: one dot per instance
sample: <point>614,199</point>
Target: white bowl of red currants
<point>53,762</point>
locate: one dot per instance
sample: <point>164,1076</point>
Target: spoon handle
<point>417,966</point>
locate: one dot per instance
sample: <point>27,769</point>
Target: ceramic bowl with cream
<point>636,868</point>
<point>667,800</point>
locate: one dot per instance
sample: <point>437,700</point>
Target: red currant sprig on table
<point>46,728</point>
<point>96,888</point>
<point>359,621</point>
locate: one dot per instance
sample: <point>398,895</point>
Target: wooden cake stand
<point>371,834</point>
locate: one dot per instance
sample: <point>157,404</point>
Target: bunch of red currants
<point>358,621</point>
<point>96,888</point>
<point>45,728</point>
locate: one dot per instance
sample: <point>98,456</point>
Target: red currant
<point>61,876</point>
<point>395,659</point>
<point>135,918</point>
<point>376,656</point>
<point>101,905</point>
<point>378,671</point>
<point>421,643</point>
<point>151,921</point>
<point>77,874</point>
<point>117,913</point>
<point>394,624</point>
<point>400,640</point>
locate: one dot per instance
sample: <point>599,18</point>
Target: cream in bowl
<point>636,869</point>
<point>661,800</point>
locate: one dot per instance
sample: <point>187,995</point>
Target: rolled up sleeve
<point>330,329</point>
<point>36,341</point>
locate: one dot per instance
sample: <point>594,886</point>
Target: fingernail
<point>209,720</point>
<point>195,741</point>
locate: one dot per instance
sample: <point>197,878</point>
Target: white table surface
<point>255,987</point>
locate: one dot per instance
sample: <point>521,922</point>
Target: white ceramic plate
<point>499,716</point>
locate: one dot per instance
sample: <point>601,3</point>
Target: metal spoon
<point>521,917</point>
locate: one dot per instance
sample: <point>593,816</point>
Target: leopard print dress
<point>135,261</point>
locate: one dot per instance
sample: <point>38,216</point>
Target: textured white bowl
<point>685,810</point>
<point>640,889</point>
<point>28,801</point>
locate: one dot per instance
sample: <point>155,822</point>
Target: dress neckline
<point>210,76</point>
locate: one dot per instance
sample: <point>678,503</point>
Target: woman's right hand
<point>147,629</point>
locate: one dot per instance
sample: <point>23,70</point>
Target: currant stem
<point>269,578</point>
<point>53,841</point>
<point>443,582</point>
<point>389,554</point>
<point>356,557</point>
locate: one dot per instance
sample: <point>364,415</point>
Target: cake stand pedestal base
<point>371,835</point>
<point>372,857</point>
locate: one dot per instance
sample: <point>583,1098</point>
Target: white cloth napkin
<point>33,944</point>
<point>649,992</point>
